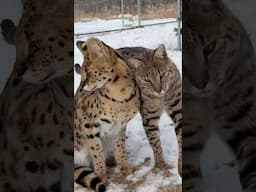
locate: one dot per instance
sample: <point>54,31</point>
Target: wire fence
<point>131,14</point>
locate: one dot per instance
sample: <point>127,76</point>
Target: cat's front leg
<point>120,155</point>
<point>150,116</point>
<point>96,149</point>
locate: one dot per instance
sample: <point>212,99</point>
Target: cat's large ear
<point>135,64</point>
<point>160,52</point>
<point>98,49</point>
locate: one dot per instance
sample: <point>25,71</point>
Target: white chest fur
<point>109,133</point>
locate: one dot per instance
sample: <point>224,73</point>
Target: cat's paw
<point>126,170</point>
<point>160,164</point>
<point>104,178</point>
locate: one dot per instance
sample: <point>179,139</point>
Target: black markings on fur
<point>105,120</point>
<point>31,166</point>
<point>96,125</point>
<point>87,126</point>
<point>53,165</point>
<point>78,167</point>
<point>90,136</point>
<point>102,188</point>
<point>116,79</point>
<point>114,100</point>
<point>175,103</point>
<point>84,48</point>
<point>243,111</point>
<point>94,182</point>
<point>174,113</point>
<point>82,175</point>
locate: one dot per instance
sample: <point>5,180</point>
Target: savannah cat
<point>107,98</point>
<point>161,90</point>
<point>219,90</point>
<point>36,109</point>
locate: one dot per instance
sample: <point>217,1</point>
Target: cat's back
<point>134,52</point>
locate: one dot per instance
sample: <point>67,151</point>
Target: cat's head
<point>99,65</point>
<point>153,72</point>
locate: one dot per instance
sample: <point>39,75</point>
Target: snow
<point>98,25</point>
<point>138,148</point>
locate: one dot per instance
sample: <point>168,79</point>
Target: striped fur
<point>161,90</point>
<point>219,90</point>
<point>86,177</point>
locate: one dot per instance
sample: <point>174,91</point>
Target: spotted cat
<point>107,98</point>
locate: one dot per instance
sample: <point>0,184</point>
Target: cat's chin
<point>159,94</point>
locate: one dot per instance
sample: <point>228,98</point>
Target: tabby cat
<point>218,90</point>
<point>161,90</point>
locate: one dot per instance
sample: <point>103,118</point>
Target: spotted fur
<point>107,98</point>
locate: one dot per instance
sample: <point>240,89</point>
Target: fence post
<point>179,24</point>
<point>139,12</point>
<point>122,12</point>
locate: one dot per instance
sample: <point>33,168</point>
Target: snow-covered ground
<point>138,147</point>
<point>98,25</point>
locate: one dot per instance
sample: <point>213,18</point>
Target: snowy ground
<point>137,145</point>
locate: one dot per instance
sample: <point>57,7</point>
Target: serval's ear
<point>82,46</point>
<point>98,49</point>
<point>160,52</point>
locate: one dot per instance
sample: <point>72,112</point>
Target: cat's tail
<point>86,177</point>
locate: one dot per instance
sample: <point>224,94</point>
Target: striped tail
<point>86,177</point>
